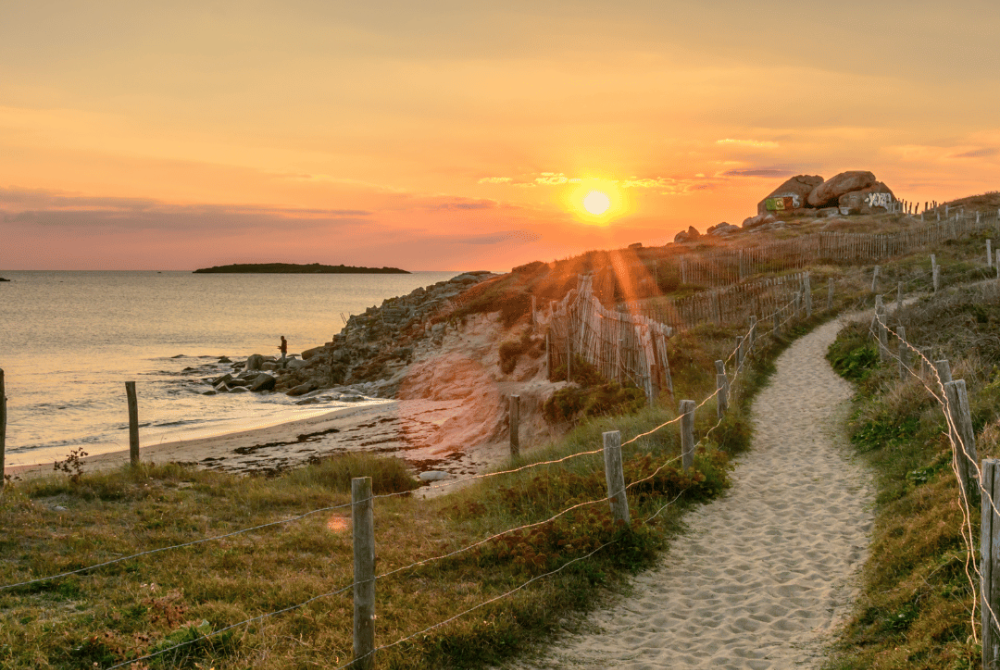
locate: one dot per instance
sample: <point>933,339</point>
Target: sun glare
<point>596,203</point>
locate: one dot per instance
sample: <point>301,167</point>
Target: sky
<point>446,135</point>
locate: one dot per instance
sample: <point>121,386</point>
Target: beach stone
<point>433,476</point>
<point>221,387</point>
<point>351,398</point>
<point>262,382</point>
<point>239,389</point>
<point>296,364</point>
<point>209,392</point>
<point>302,389</point>
<point>224,379</point>
<point>269,365</point>
<point>798,188</point>
<point>254,362</point>
<point>829,192</point>
<point>224,359</point>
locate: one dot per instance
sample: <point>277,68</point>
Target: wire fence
<point>781,315</point>
<point>951,396</point>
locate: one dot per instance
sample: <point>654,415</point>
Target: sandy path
<point>765,573</point>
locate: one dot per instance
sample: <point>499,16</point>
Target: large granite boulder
<point>687,235</point>
<point>254,362</point>
<point>871,200</point>
<point>262,382</point>
<point>797,189</point>
<point>828,193</point>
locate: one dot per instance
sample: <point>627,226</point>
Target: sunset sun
<point>596,202</point>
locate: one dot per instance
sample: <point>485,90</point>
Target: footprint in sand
<point>766,572</point>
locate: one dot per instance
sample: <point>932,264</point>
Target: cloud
<point>53,209</point>
<point>552,178</point>
<point>458,204</point>
<point>521,236</point>
<point>758,172</point>
<point>495,180</point>
<point>978,153</point>
<point>757,144</point>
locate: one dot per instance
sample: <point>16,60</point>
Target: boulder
<point>254,362</point>
<point>225,359</point>
<point>635,245</point>
<point>262,382</point>
<point>828,193</point>
<point>870,200</point>
<point>315,351</point>
<point>224,379</point>
<point>721,229</point>
<point>302,389</point>
<point>269,365</point>
<point>296,364</point>
<point>797,188</point>
<point>759,220</point>
<point>828,212</point>
<point>239,389</point>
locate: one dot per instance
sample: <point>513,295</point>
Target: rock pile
<point>361,359</point>
<point>848,193</point>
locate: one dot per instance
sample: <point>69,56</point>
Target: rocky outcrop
<point>759,220</point>
<point>722,229</point>
<point>871,200</point>
<point>797,189</point>
<point>686,236</point>
<point>372,346</point>
<point>828,193</point>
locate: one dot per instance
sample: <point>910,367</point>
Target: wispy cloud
<point>759,172</point>
<point>495,180</point>
<point>53,209</point>
<point>978,153</point>
<point>499,237</point>
<point>757,144</point>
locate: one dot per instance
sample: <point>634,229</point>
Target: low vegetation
<point>919,584</point>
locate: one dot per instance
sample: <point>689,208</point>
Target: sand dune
<point>765,573</point>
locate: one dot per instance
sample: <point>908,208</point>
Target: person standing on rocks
<point>283,347</point>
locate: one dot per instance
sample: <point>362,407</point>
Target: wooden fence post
<point>722,399</point>
<point>614,474</point>
<point>990,563</point>
<point>899,299</point>
<point>363,523</point>
<point>3,428</point>
<point>874,278</point>
<point>943,369</point>
<point>133,423</point>
<point>515,430</point>
<point>753,332</point>
<point>569,352</point>
<point>739,352</point>
<point>937,277</point>
<point>687,434</point>
<point>777,323</point>
<point>925,360</point>
<point>548,353</point>
<point>958,406</point>
<point>989,253</point>
<point>807,293</point>
<point>829,294</point>
<point>904,354</point>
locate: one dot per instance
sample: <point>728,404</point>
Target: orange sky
<point>439,135</point>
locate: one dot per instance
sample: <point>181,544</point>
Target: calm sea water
<point>69,341</point>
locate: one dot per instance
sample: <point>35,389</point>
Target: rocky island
<point>295,268</point>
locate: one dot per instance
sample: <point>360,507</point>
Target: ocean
<point>69,341</point>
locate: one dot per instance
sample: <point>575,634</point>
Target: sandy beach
<point>766,573</point>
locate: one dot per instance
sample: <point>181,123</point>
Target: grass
<point>916,606</point>
<point>138,606</point>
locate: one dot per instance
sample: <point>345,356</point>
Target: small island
<point>2,279</point>
<point>294,268</point>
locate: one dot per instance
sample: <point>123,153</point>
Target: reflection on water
<point>69,341</point>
